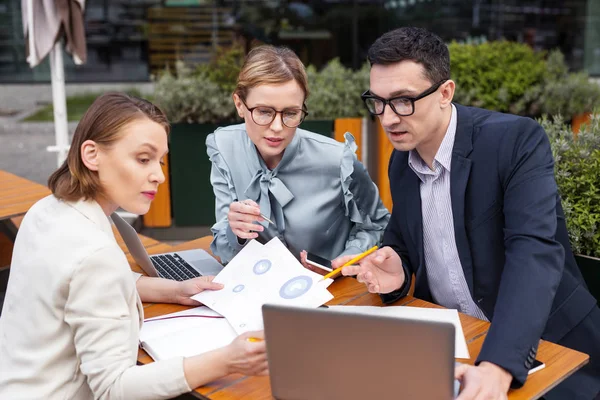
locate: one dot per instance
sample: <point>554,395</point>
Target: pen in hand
<point>261,214</point>
<point>355,259</point>
<point>267,219</point>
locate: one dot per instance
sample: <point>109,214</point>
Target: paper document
<point>425,314</point>
<point>186,333</point>
<point>261,274</point>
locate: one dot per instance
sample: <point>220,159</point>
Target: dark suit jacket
<point>510,233</point>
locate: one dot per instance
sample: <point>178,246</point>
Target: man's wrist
<point>505,376</point>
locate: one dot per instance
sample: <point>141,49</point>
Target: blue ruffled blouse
<point>319,196</point>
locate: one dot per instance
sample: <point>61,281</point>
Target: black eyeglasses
<point>402,105</point>
<point>291,117</point>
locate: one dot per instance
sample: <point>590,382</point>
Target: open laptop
<point>179,266</point>
<point>322,354</point>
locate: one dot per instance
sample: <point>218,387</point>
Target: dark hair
<point>103,123</point>
<point>414,44</point>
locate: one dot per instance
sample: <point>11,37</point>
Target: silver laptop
<point>321,354</point>
<point>179,265</point>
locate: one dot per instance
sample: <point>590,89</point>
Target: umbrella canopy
<point>45,24</point>
<point>46,21</point>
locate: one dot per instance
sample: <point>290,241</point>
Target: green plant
<point>335,91</point>
<point>188,96</point>
<point>561,92</point>
<point>224,67</point>
<point>494,75</point>
<point>577,168</point>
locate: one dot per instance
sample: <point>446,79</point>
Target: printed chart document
<point>186,333</point>
<point>425,314</point>
<point>261,274</point>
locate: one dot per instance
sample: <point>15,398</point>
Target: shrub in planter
<point>335,91</point>
<point>560,92</point>
<point>494,75</point>
<point>577,170</point>
<point>193,97</point>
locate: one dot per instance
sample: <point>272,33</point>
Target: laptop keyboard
<point>172,266</point>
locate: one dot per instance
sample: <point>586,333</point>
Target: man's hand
<point>190,287</point>
<point>484,382</point>
<point>381,271</point>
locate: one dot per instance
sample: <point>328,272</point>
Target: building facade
<point>129,40</point>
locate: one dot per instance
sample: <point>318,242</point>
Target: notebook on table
<point>185,334</point>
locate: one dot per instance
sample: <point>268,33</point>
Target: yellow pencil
<point>355,259</point>
<point>254,339</point>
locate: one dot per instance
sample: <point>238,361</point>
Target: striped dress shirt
<point>447,281</point>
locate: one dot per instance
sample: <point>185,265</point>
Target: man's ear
<point>447,92</point>
<point>90,155</point>
<point>239,105</point>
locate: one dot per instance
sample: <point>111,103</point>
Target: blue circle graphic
<point>238,288</point>
<point>262,266</point>
<point>295,287</point>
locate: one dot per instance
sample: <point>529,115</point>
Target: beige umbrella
<point>45,24</point>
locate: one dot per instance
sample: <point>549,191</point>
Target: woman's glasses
<point>290,117</point>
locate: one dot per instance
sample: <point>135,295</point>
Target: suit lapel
<point>459,178</point>
<point>411,203</point>
<point>414,219</point>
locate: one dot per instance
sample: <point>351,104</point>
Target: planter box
<point>590,269</point>
<point>355,127</point>
<point>159,215</point>
<point>580,120</point>
<point>193,199</point>
<point>322,126</point>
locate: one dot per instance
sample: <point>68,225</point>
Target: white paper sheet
<point>424,314</point>
<point>259,275</point>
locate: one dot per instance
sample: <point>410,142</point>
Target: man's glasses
<point>402,105</point>
<point>291,117</point>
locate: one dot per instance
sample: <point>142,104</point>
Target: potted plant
<point>577,168</point>
<point>495,75</point>
<point>195,105</point>
<point>335,95</point>
<point>570,94</point>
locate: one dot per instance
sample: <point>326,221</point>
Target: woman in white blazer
<point>71,318</point>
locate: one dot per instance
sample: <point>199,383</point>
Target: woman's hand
<point>186,289</point>
<point>242,216</point>
<point>247,357</point>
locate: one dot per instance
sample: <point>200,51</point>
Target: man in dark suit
<point>477,220</point>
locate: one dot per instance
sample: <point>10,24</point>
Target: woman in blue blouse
<point>319,197</point>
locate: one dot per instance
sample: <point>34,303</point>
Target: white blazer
<point>70,324</point>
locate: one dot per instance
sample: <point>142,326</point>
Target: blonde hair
<point>103,123</point>
<point>270,65</point>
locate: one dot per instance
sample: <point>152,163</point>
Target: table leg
<point>9,229</point>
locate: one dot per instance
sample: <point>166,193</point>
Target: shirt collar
<point>92,211</point>
<point>443,156</point>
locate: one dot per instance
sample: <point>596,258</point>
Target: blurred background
<point>127,39</point>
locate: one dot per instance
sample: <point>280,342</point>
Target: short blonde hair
<point>103,123</point>
<point>271,65</point>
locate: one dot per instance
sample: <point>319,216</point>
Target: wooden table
<point>560,361</point>
<point>17,195</point>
